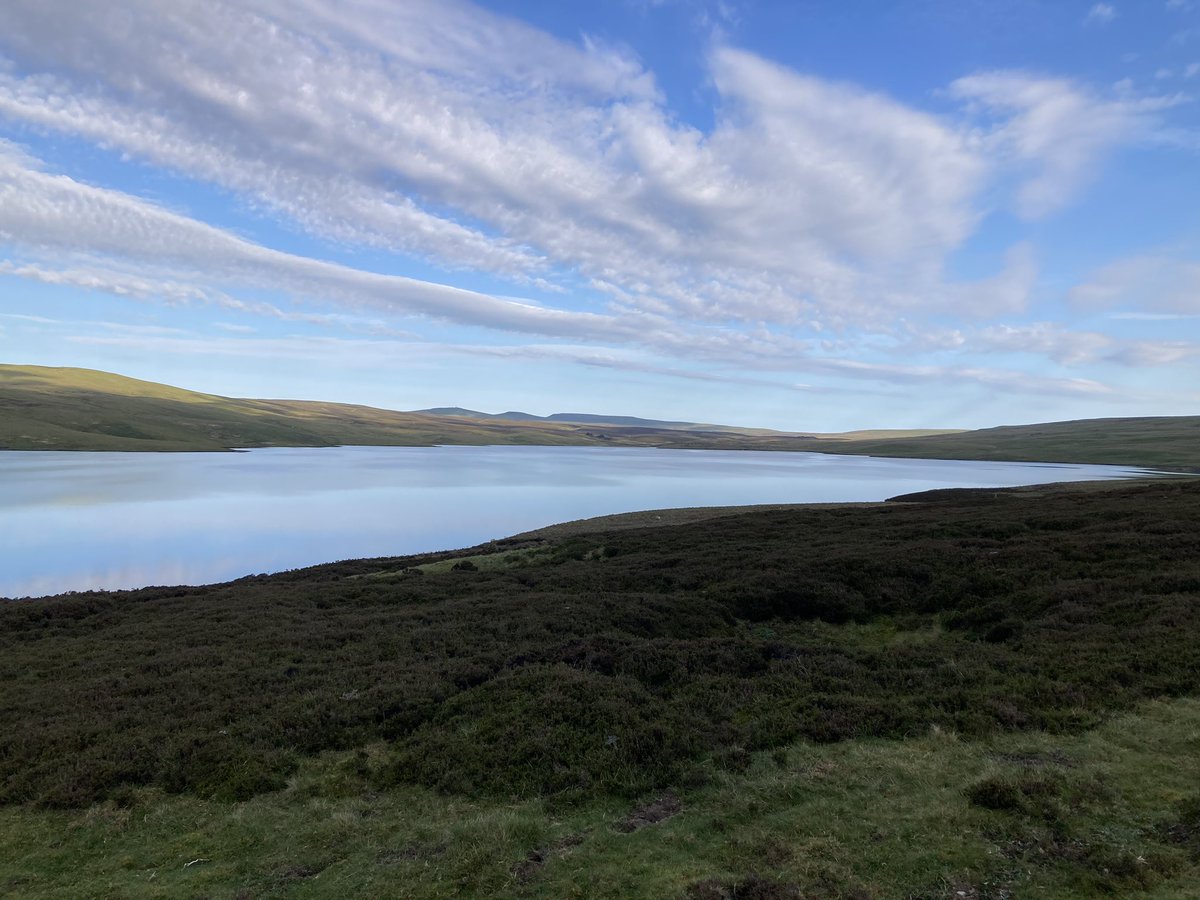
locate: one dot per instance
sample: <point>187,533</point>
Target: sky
<point>808,215</point>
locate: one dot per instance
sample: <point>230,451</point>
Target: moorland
<point>47,408</point>
<point>44,408</point>
<point>958,694</point>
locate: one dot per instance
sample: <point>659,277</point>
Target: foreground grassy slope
<point>1109,812</point>
<point>1152,442</point>
<point>82,409</point>
<point>987,692</point>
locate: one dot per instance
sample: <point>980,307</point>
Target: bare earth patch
<point>652,813</point>
<point>526,870</point>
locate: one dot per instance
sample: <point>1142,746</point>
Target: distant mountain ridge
<point>592,419</point>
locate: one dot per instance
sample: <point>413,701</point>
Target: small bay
<point>81,521</point>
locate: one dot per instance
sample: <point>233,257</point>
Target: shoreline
<point>1014,458</point>
<point>635,520</point>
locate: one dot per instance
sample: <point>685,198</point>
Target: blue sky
<point>804,215</point>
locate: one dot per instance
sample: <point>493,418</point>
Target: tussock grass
<point>866,818</point>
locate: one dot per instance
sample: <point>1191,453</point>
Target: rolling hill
<point>1151,441</point>
<point>45,408</point>
<point>82,409</point>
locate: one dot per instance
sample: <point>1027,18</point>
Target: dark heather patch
<point>752,887</point>
<point>581,677</point>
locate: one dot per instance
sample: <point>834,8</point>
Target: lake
<point>79,521</point>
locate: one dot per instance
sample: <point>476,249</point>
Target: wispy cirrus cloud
<point>368,353</point>
<point>1054,132</point>
<point>1147,284</point>
<point>478,142</point>
<point>1067,347</point>
<point>162,288</point>
<point>786,236</point>
<point>55,213</point>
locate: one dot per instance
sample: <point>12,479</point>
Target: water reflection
<point>76,521</point>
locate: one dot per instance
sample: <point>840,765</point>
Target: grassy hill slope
<point>1159,441</point>
<point>968,694</point>
<point>82,409</point>
<point>44,408</point>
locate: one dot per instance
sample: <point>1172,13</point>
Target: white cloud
<point>124,327</point>
<point>1078,347</point>
<point>999,378</point>
<point>1101,14</point>
<point>443,130</point>
<point>1055,342</point>
<point>121,284</point>
<point>1054,129</point>
<point>1142,284</point>
<point>608,358</point>
<point>1151,317</point>
<point>1156,353</point>
<point>1061,345</point>
<point>446,131</point>
<point>173,291</point>
<point>373,353</point>
<point>48,212</point>
<point>1005,292</point>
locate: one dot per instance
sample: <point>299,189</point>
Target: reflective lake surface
<point>79,521</point>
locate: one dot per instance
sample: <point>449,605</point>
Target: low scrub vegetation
<point>597,670</point>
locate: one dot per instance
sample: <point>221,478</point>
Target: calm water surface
<point>77,521</point>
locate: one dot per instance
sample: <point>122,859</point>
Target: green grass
<point>1105,815</point>
<point>985,691</point>
<point>1169,442</point>
<point>81,409</point>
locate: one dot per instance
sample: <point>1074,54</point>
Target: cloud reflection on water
<point>79,521</point>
